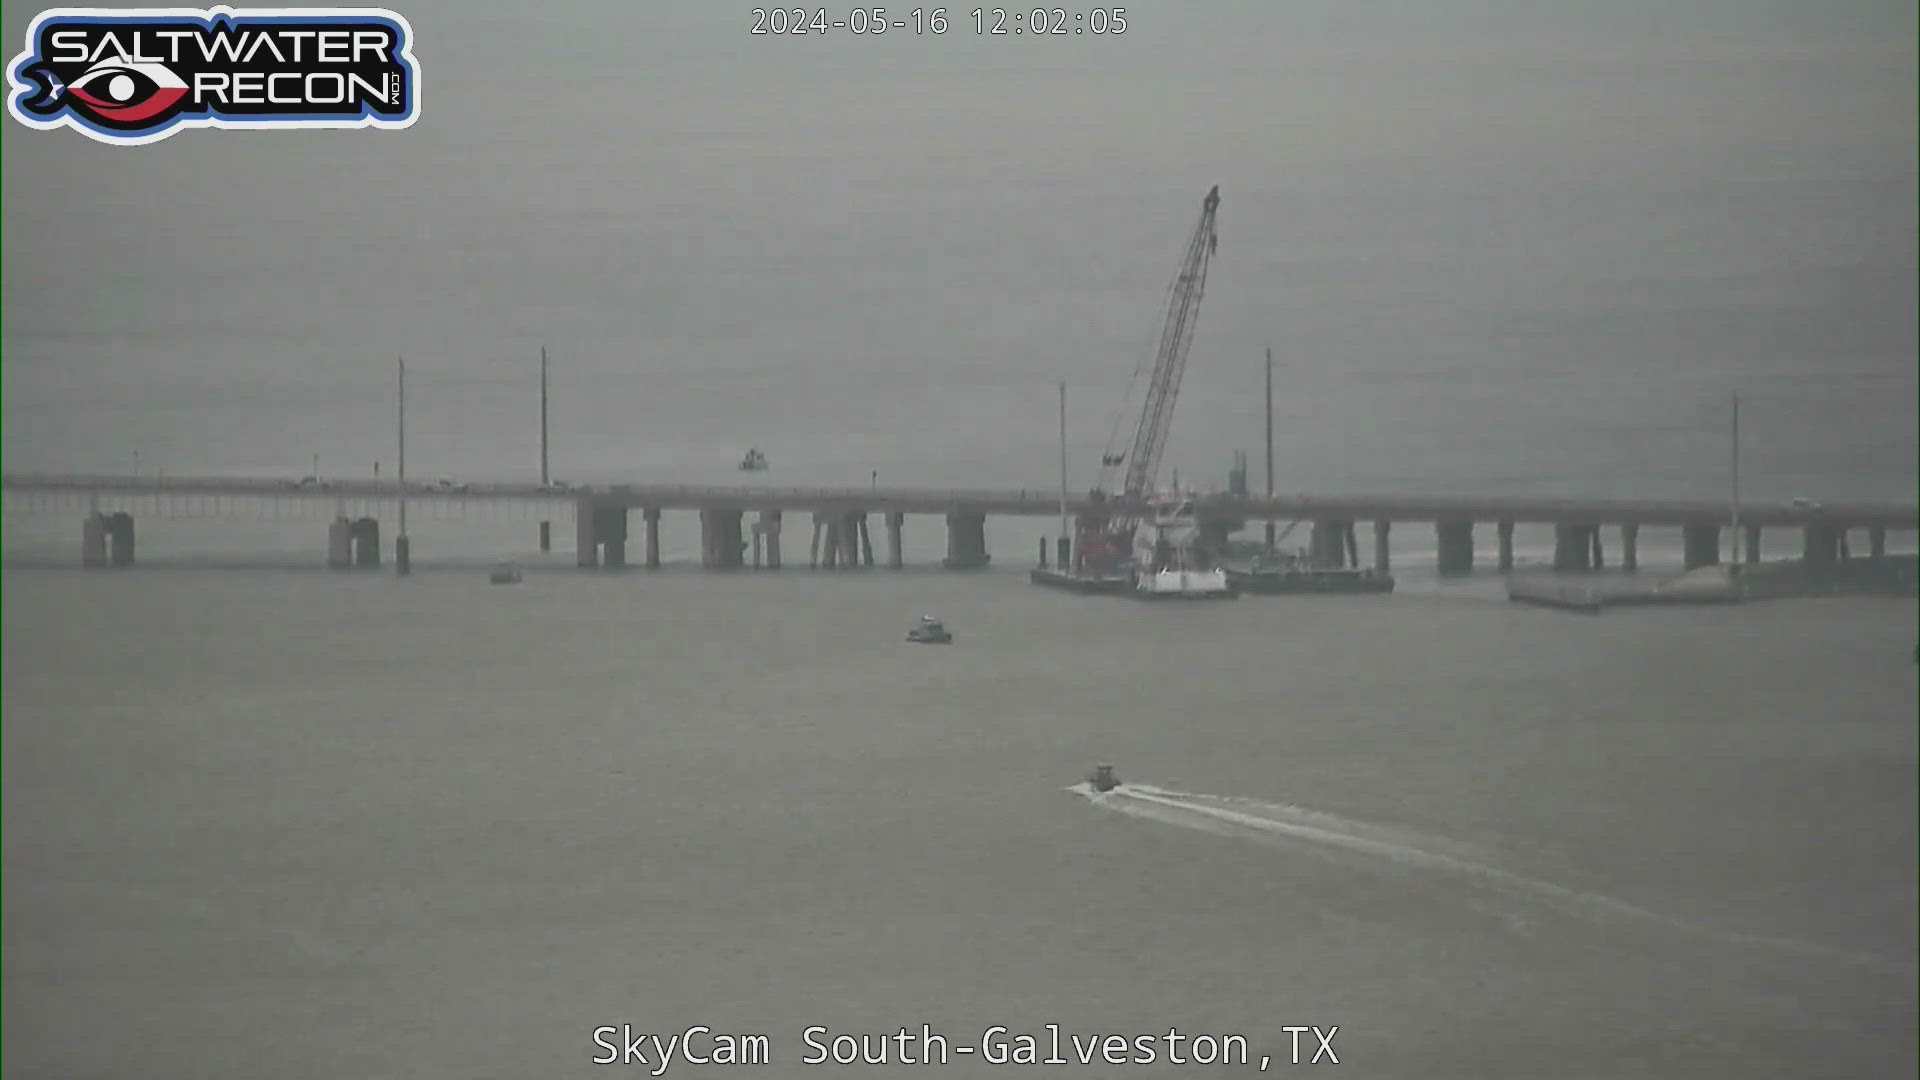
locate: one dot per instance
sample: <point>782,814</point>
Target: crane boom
<point>1170,363</point>
<point>1105,540</point>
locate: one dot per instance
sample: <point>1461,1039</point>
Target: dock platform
<point>1078,583</point>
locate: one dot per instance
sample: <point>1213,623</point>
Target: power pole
<point>1269,446</point>
<point>1735,505</point>
<point>543,416</point>
<point>546,527</point>
<point>402,555</point>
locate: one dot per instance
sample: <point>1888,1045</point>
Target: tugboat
<point>931,631</point>
<point>1168,560</point>
<point>1102,778</point>
<point>755,461</point>
<point>505,574</point>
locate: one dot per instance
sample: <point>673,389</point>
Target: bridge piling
<point>93,540</point>
<point>769,528</point>
<point>1753,544</point>
<point>896,556</point>
<point>586,545</point>
<point>366,543</point>
<point>1456,547</point>
<point>721,545</point>
<point>1877,542</point>
<point>1573,547</point>
<point>1504,530</point>
<point>1700,543</point>
<point>340,544</point>
<point>1630,548</point>
<point>1382,556</point>
<point>966,542</point>
<point>650,517</point>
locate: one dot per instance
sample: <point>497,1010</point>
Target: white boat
<point>1167,563</point>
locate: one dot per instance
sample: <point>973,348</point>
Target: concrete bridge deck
<point>600,517</point>
<point>1032,502</point>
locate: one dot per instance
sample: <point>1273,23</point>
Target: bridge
<point>841,537</point>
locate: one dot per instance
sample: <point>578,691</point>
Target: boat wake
<point>1281,824</point>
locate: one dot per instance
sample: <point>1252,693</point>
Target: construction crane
<point>1105,541</point>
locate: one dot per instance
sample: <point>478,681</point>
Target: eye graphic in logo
<point>114,90</point>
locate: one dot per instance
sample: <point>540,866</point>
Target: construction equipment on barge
<point>1147,540</point>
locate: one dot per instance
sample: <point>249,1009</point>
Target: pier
<point>841,519</point>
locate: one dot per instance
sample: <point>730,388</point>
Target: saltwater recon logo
<point>136,76</point>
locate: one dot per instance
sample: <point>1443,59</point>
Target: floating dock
<point>1562,597</point>
<point>1079,583</point>
<point>1304,580</point>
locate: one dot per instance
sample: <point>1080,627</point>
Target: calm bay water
<point>335,825</point>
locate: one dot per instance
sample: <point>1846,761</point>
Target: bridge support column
<point>1700,544</point>
<point>1599,550</point>
<point>1331,543</point>
<point>340,544</point>
<point>402,555</point>
<point>824,530</point>
<point>846,532</point>
<point>1456,547</point>
<point>651,517</point>
<point>1573,546</point>
<point>93,540</point>
<point>966,541</point>
<point>770,529</point>
<point>1382,555</point>
<point>546,536</point>
<point>896,551</point>
<point>864,557</point>
<point>366,544</point>
<point>120,538</point>
<point>1630,548</point>
<point>600,533</point>
<point>586,543</point>
<point>721,545</point>
<point>1877,541</point>
<point>1504,530</point>
<point>610,526</point>
<point>1753,544</point>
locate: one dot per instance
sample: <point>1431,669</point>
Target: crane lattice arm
<point>1105,541</point>
<point>1183,310</point>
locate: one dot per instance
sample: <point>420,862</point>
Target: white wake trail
<point>1273,822</point>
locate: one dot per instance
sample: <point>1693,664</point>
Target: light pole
<point>546,527</point>
<point>402,548</point>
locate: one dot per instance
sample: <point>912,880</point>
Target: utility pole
<point>543,416</point>
<point>402,553</point>
<point>546,527</point>
<point>1735,496</point>
<point>1269,447</point>
<point>1063,462</point>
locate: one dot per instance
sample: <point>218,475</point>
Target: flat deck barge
<point>1107,585</point>
<point>1303,580</point>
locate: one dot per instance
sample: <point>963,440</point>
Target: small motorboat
<point>755,461</point>
<point>930,631</point>
<point>1102,778</point>
<point>505,574</point>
